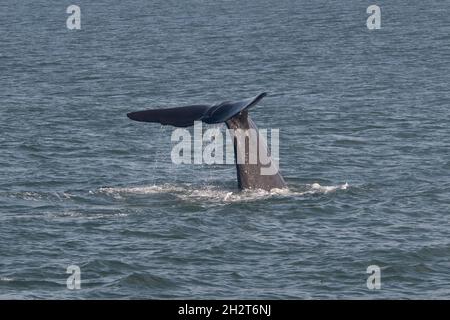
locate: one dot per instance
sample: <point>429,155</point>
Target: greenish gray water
<point>363,117</point>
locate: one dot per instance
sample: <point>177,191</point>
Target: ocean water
<point>365,139</point>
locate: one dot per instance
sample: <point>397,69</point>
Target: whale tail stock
<point>235,115</point>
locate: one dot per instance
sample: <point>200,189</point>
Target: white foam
<point>188,192</point>
<point>29,196</point>
<point>87,216</point>
<point>40,196</point>
<point>6,279</point>
<point>141,190</point>
<point>326,189</point>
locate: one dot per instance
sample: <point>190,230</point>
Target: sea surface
<point>365,142</point>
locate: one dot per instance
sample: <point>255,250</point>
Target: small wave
<point>145,280</point>
<point>85,215</point>
<point>344,139</point>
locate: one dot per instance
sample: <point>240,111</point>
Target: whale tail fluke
<point>186,116</point>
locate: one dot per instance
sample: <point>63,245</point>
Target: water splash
<point>327,189</point>
<point>190,192</point>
